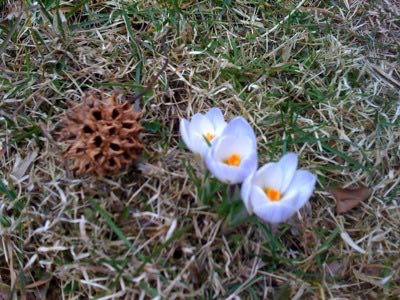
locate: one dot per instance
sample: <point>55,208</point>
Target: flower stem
<point>232,192</point>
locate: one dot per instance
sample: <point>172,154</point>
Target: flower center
<point>233,160</point>
<point>273,194</point>
<point>209,136</point>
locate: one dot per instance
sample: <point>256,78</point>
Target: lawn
<point>318,78</point>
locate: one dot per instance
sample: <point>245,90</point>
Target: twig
<point>153,80</point>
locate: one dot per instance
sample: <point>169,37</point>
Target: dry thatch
<point>316,77</point>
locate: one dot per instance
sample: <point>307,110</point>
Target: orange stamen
<point>233,160</point>
<point>209,136</point>
<point>272,194</point>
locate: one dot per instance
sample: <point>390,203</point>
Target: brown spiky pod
<point>102,135</point>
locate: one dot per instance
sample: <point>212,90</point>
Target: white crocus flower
<point>277,190</point>
<point>233,156</point>
<point>202,130</point>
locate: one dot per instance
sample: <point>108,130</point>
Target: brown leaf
<point>349,198</point>
<point>375,270</point>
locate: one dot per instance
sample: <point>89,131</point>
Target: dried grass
<point>323,82</point>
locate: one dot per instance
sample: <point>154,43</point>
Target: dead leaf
<point>4,295</point>
<point>2,150</point>
<point>375,270</point>
<point>13,10</point>
<point>349,241</point>
<point>22,165</point>
<point>335,269</point>
<point>349,198</point>
<point>365,278</point>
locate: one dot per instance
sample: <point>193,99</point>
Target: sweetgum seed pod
<point>103,136</point>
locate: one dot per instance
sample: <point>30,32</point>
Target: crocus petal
<point>288,164</point>
<point>271,212</point>
<point>302,185</point>
<point>200,124</point>
<point>227,145</point>
<point>270,175</point>
<point>221,171</point>
<point>184,130</point>
<point>199,144</point>
<point>201,127</point>
<point>217,119</point>
<point>240,127</point>
<point>224,147</point>
<point>245,192</point>
<point>249,166</point>
<point>230,174</point>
